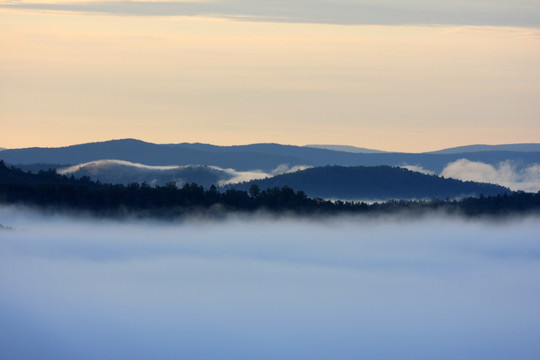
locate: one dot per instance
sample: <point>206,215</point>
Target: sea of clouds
<point>263,288</point>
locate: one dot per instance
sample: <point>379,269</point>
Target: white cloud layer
<point>125,171</point>
<point>472,12</point>
<point>241,176</point>
<point>261,289</point>
<point>99,164</point>
<point>506,174</point>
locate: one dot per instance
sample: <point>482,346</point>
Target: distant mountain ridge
<point>522,147</point>
<point>137,151</point>
<point>525,147</point>
<point>264,157</point>
<point>346,148</point>
<point>373,183</point>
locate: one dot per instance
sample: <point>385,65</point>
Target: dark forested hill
<point>377,182</point>
<point>52,192</point>
<point>264,157</point>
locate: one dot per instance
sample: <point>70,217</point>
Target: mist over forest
<point>159,199</point>
<point>127,269</point>
<point>515,166</point>
<point>257,287</point>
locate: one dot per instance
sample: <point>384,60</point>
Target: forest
<point>50,191</point>
<point>372,182</point>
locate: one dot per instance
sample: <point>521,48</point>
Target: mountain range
<point>329,171</point>
<point>530,147</point>
<point>453,150</point>
<point>264,157</point>
<point>124,172</point>
<point>346,148</point>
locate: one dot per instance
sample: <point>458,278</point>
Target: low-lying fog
<point>354,288</point>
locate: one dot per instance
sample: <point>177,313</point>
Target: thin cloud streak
<point>493,13</point>
<point>120,171</point>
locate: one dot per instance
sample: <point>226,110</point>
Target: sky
<point>391,75</point>
<point>431,288</point>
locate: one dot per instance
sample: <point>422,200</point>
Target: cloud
<point>419,169</point>
<point>125,172</point>
<point>519,13</point>
<point>506,174</point>
<point>242,176</point>
<point>250,288</point>
<point>285,169</point>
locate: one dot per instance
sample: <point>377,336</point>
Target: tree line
<point>49,190</point>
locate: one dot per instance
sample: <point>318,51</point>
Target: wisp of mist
<point>261,288</point>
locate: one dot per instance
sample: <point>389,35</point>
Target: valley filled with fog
<point>269,288</point>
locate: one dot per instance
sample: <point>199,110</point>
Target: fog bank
<point>505,174</point>
<point>436,288</point>
<point>125,172</point>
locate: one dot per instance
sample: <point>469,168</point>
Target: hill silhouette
<point>530,147</point>
<point>265,157</point>
<point>49,191</point>
<point>373,183</point>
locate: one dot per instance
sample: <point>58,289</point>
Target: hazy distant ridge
<point>137,151</point>
<point>527,147</point>
<point>346,148</point>
<point>265,157</point>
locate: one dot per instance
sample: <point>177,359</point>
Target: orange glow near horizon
<point>69,78</point>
